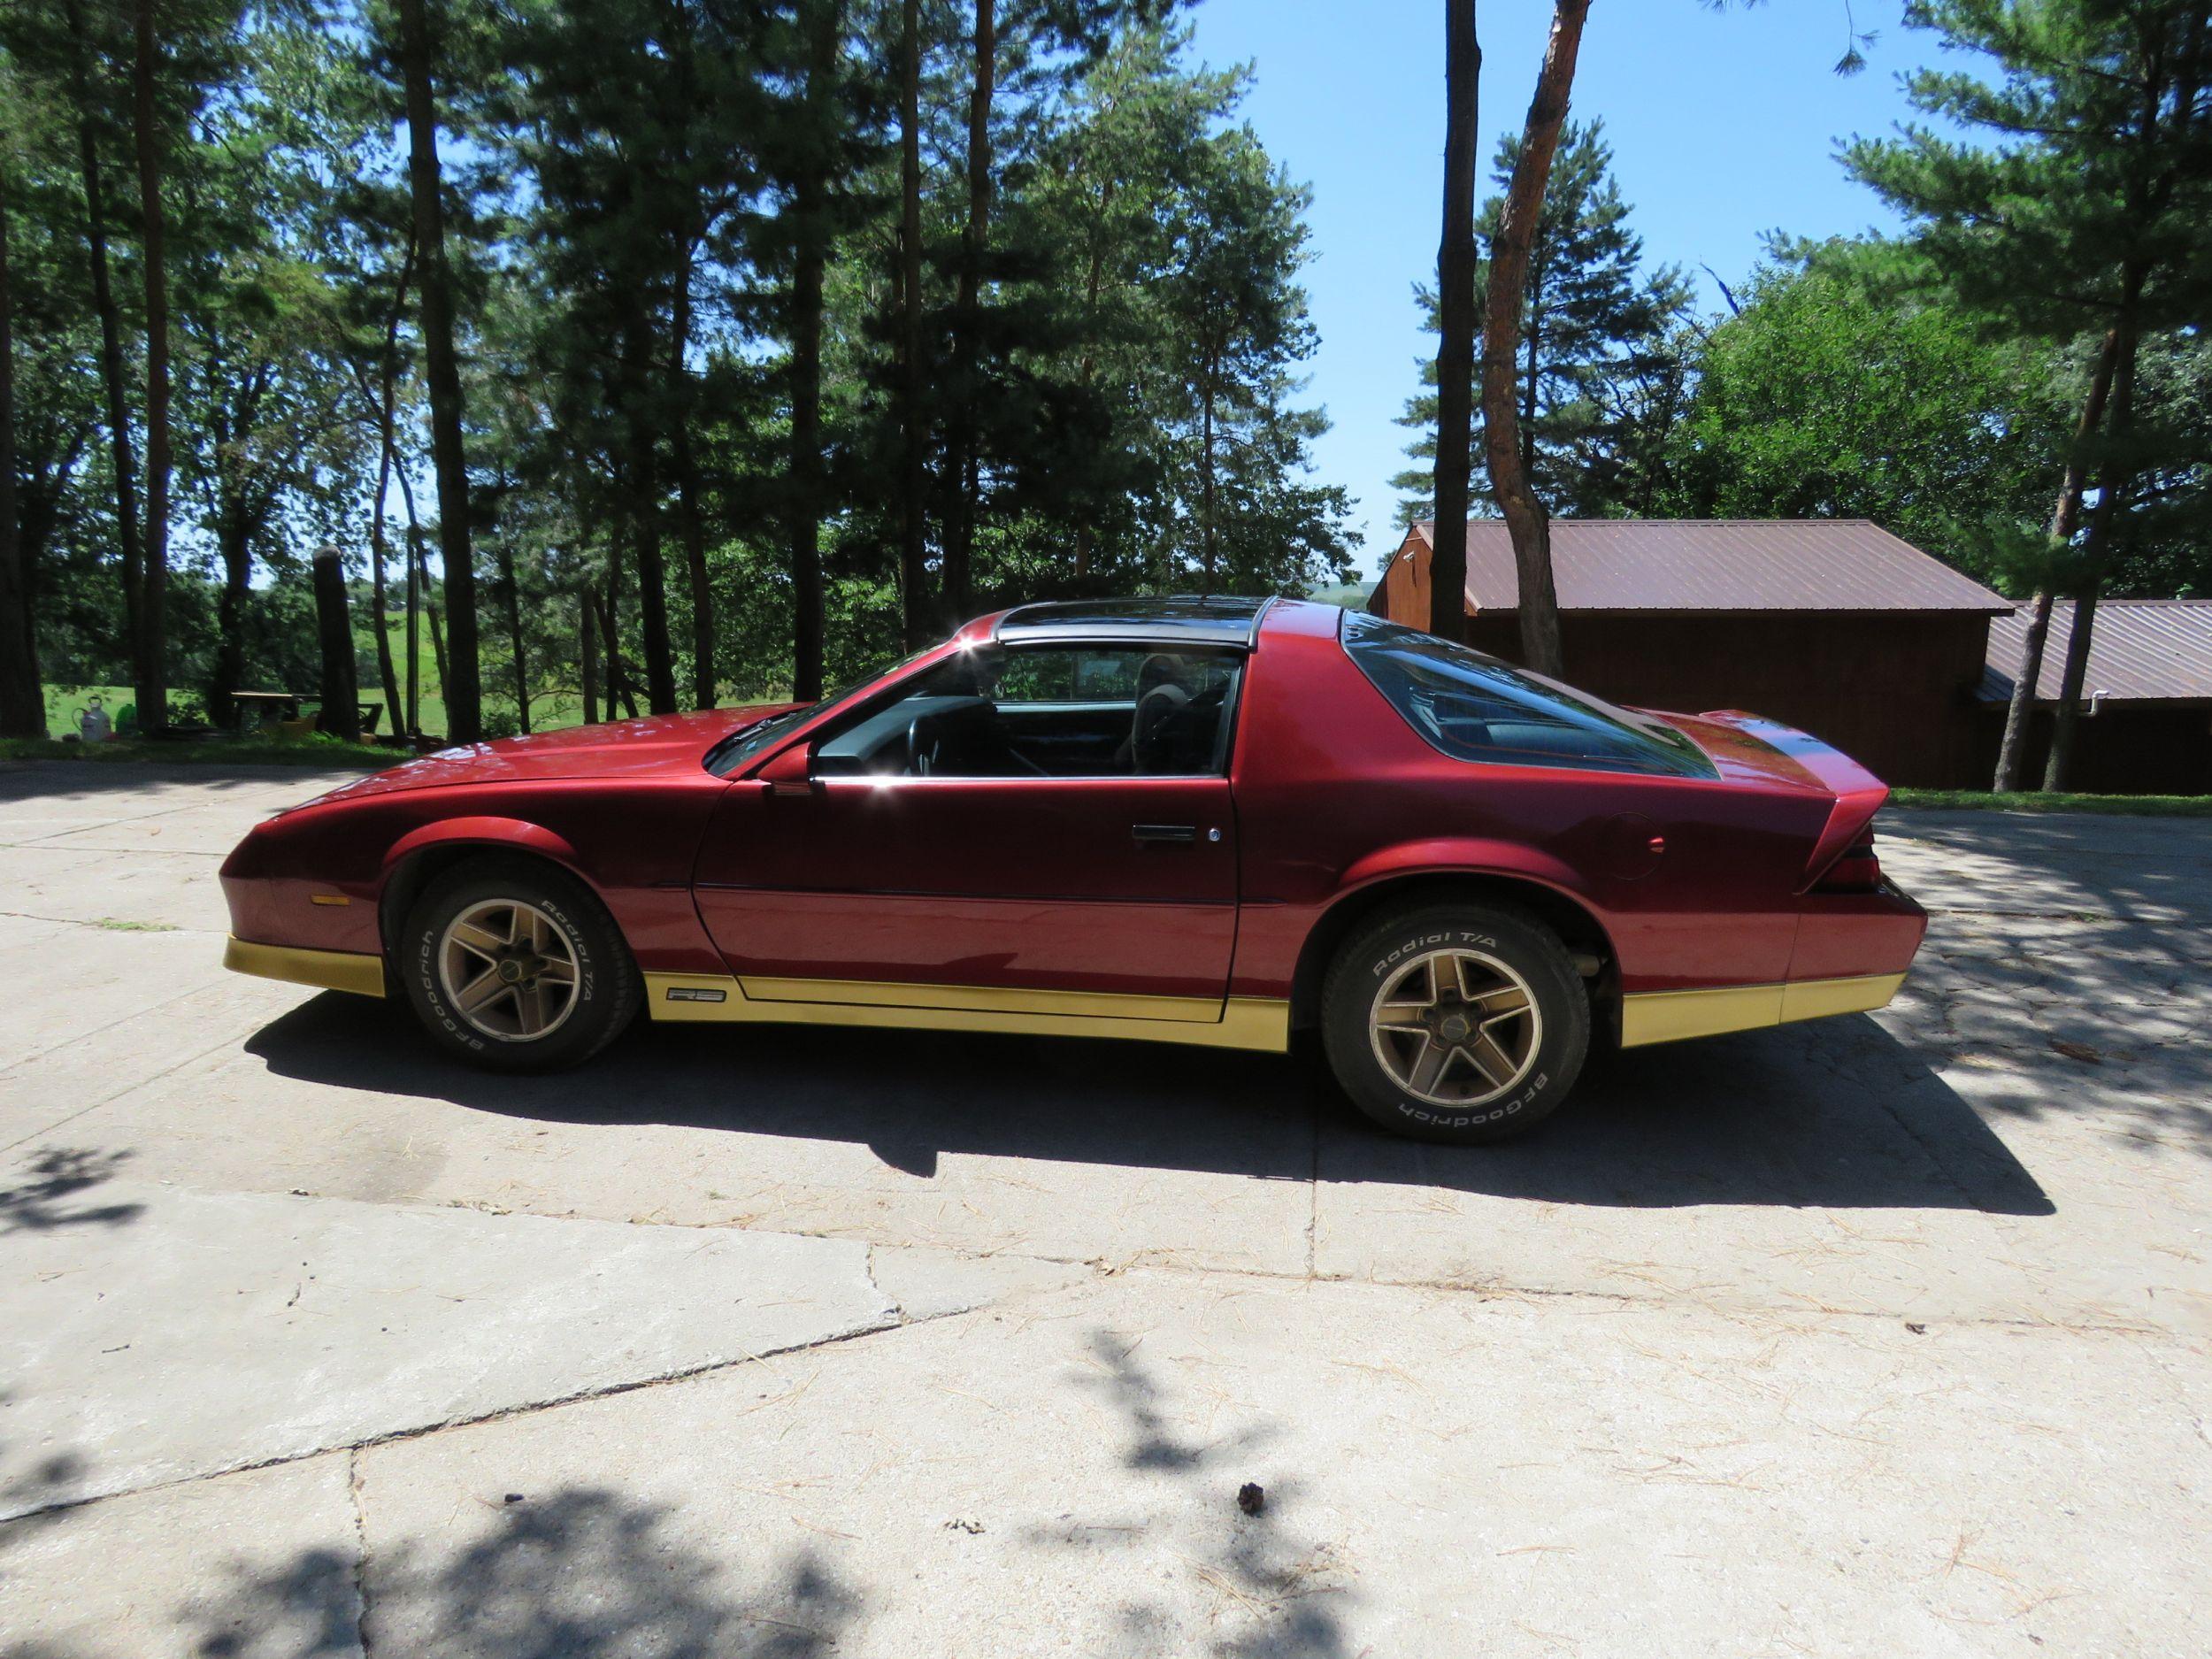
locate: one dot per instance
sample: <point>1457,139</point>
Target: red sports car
<point>1214,821</point>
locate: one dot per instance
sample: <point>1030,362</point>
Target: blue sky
<point>1724,126</point>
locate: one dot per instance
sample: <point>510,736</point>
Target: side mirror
<point>788,772</point>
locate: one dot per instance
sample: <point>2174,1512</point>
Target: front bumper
<point>331,969</point>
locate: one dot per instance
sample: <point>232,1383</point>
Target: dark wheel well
<point>417,870</point>
<point>1578,929</point>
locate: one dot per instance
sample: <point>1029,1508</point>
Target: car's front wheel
<point>1457,1023</point>
<point>517,966</point>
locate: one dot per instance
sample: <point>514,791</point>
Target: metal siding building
<point>1834,625</point>
<point>2148,687</point>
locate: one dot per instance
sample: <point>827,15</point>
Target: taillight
<point>1857,870</point>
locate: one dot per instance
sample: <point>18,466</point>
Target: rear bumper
<point>1670,1016</point>
<point>331,970</point>
<point>1853,952</point>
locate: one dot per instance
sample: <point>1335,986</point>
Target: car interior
<point>1048,711</point>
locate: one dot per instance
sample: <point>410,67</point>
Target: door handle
<point>1163,832</point>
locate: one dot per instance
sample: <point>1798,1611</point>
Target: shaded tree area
<point>633,354</point>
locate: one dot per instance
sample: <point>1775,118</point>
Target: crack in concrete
<point>109,1100</point>
<point>361,1551</point>
<point>897,1321</point>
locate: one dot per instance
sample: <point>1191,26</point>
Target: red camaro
<point>1211,821</point>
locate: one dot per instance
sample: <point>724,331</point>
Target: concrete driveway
<point>1883,1335</point>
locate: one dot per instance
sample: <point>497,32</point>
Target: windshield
<point>741,746</point>
<point>1477,708</point>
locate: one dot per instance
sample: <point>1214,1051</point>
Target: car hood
<point>665,745</point>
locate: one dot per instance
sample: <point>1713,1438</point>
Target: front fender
<point>484,832</point>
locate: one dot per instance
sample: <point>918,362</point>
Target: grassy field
<point>2117,805</point>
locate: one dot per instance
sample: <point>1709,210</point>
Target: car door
<point>997,837</point>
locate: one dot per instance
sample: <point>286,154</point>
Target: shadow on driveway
<point>1835,1116</point>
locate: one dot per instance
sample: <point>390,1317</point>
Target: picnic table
<point>258,710</point>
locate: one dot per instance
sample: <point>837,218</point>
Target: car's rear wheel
<point>1457,1023</point>
<point>517,966</point>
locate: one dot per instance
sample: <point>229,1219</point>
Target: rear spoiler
<point>1858,793</point>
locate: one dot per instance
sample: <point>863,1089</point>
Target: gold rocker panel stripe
<point>1667,1016</point>
<point>333,969</point>
<point>1238,1023</point>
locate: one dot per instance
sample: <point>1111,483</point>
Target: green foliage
<point>627,189</point>
<point>1602,345</point>
<point>1833,395</point>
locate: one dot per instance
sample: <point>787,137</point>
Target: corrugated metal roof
<point>1722,564</point>
<point>2140,650</point>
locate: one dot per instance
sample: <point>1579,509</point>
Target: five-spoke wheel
<point>1456,1022</point>
<point>508,969</point>
<point>1455,1027</point>
<point>517,964</point>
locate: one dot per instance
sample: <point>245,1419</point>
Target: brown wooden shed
<point>1831,624</point>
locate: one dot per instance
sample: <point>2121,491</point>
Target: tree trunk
<point>587,644</point>
<point>2116,478</point>
<point>515,650</point>
<point>22,700</point>
<point>1456,307</point>
<point>610,623</point>
<point>1525,518</point>
<point>334,636</point>
<point>913,440</point>
<point>809,209</point>
<point>2012,756</point>
<point>151,673</point>
<point>412,723</point>
<point>960,447</point>
<point>463,703</point>
<point>386,393</point>
<point>619,683</point>
<point>430,609</point>
<point>119,418</point>
<point>690,518</point>
<point>1089,367</point>
<point>393,708</point>
<point>235,543</point>
<point>421,602</point>
<point>645,525</point>
<point>1206,477</point>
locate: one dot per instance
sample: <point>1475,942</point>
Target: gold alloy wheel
<point>508,969</point>
<point>1456,1028</point>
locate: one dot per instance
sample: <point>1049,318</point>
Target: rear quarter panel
<point>1334,792</point>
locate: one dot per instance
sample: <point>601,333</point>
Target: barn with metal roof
<point>1834,625</point>
<point>2149,686</point>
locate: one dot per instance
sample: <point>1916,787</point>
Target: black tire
<point>1547,1052</point>
<point>608,989</point>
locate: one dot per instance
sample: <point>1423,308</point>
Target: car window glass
<point>1048,712</point>
<point>731,754</point>
<point>1475,707</point>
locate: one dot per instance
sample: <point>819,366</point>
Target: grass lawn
<point>2035,800</point>
<point>299,751</point>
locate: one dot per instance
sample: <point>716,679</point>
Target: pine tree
<point>2090,213</point>
<point>1594,329</point>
